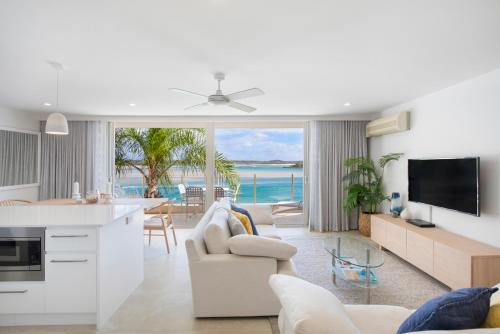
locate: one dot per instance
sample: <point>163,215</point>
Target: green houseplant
<point>364,186</point>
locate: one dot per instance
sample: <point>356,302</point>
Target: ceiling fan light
<point>56,124</point>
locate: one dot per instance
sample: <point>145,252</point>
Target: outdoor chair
<point>195,196</point>
<point>218,193</point>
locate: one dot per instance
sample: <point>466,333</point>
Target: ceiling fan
<point>220,99</point>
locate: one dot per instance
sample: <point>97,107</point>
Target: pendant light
<point>56,122</point>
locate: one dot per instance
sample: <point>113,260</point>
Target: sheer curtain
<point>81,156</point>
<point>330,144</point>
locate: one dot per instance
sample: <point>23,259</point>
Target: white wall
<point>22,121</point>
<point>460,121</point>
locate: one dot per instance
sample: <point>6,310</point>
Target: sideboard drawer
<point>22,297</point>
<point>452,267</point>
<point>420,251</point>
<point>395,239</point>
<point>68,239</point>
<point>378,230</point>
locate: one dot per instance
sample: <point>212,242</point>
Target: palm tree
<point>153,152</point>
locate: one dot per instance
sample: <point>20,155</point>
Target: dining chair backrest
<point>194,192</point>
<point>14,202</point>
<point>218,193</point>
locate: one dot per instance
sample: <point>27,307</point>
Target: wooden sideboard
<point>457,261</point>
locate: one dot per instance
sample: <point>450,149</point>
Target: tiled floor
<point>162,304</point>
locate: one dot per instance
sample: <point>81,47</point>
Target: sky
<point>261,144</point>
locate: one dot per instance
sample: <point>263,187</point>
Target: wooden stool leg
<point>173,232</point>
<point>166,239</point>
<point>149,242</point>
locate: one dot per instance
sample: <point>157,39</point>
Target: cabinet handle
<point>68,261</point>
<point>70,236</point>
<point>14,291</point>
<point>126,220</point>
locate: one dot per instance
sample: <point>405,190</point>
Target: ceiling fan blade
<point>196,106</point>
<point>242,107</point>
<point>245,93</point>
<point>187,92</point>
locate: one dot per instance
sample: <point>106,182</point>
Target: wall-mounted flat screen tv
<point>447,183</point>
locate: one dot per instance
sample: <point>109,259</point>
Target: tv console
<point>455,260</point>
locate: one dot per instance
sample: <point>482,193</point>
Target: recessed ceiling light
<point>347,104</point>
<point>132,104</point>
<point>47,104</point>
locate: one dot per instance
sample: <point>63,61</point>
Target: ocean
<point>274,184</point>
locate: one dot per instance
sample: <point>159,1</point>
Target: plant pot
<point>364,223</point>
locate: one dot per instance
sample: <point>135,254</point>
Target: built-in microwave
<point>22,254</point>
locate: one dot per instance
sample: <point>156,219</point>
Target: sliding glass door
<point>246,163</point>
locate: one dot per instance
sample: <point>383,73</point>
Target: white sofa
<point>308,308</point>
<point>229,285</point>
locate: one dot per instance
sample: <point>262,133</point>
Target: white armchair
<point>307,308</point>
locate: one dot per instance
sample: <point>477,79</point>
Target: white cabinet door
<point>121,262</point>
<point>70,283</point>
<point>21,297</point>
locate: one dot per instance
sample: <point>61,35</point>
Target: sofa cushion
<point>235,226</point>
<point>309,308</point>
<point>265,230</point>
<point>216,234</point>
<point>377,319</point>
<point>262,214</point>
<point>244,220</point>
<point>253,245</point>
<point>246,213</point>
<point>287,267</point>
<point>493,318</point>
<point>460,309</point>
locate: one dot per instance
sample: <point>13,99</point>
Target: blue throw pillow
<point>246,213</point>
<point>456,310</point>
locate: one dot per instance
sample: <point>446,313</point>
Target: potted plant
<point>365,188</point>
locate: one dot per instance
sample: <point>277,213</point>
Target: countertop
<point>64,215</point>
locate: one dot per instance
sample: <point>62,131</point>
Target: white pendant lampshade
<point>56,124</point>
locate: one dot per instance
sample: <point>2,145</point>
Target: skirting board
<point>47,319</point>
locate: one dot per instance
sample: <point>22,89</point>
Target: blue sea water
<point>270,189</point>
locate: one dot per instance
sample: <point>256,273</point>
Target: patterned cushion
<point>235,225</point>
<point>246,213</point>
<point>244,220</point>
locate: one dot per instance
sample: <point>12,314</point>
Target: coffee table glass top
<point>355,252</point>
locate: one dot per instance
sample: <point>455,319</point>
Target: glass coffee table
<point>354,261</point>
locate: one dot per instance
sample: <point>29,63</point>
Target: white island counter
<point>94,259</point>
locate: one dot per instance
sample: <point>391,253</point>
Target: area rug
<point>400,283</point>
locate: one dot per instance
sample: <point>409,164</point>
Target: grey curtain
<point>330,144</point>
<point>65,159</point>
<point>18,158</point>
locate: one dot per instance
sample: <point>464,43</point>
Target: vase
<point>405,214</point>
<point>364,223</point>
<point>396,204</point>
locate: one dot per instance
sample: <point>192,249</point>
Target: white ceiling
<point>310,57</point>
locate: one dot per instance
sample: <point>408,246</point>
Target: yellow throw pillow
<point>244,220</point>
<point>493,318</point>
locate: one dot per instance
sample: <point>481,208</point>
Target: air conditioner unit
<point>389,124</point>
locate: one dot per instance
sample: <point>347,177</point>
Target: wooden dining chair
<point>162,221</point>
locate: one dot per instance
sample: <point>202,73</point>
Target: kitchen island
<point>92,260</point>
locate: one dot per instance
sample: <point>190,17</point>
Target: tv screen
<point>447,183</point>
